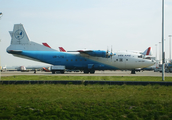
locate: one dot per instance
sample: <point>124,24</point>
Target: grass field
<point>101,78</point>
<point>86,102</point>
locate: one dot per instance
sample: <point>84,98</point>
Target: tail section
<point>45,44</point>
<point>20,41</point>
<point>62,49</point>
<point>148,51</point>
<point>18,35</point>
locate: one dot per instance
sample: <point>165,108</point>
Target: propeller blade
<point>111,52</point>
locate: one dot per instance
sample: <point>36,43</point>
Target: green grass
<point>85,102</point>
<point>50,101</point>
<point>102,78</point>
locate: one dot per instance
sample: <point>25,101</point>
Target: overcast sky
<point>91,24</point>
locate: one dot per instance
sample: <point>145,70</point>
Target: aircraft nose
<point>150,62</point>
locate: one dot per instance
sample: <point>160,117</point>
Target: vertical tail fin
<point>62,49</point>
<point>148,51</point>
<point>20,41</point>
<point>45,44</point>
<point>18,35</point>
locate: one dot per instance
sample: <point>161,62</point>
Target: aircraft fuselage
<point>124,61</point>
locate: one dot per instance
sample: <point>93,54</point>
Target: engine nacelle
<point>99,53</point>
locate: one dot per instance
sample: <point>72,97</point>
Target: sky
<point>90,24</point>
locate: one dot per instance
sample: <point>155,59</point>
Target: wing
<point>94,53</point>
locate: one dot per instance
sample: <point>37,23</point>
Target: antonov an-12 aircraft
<point>85,60</point>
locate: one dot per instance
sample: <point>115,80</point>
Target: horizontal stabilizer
<point>14,51</point>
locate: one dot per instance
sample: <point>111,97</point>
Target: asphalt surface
<point>97,73</point>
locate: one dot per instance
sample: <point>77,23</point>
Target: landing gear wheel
<point>92,71</point>
<point>86,71</point>
<point>133,72</point>
<point>53,72</point>
<point>62,72</point>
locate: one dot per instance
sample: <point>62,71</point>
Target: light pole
<point>0,55</point>
<point>156,52</point>
<point>170,46</point>
<point>163,53</point>
<point>159,52</point>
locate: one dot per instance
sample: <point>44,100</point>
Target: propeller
<point>111,54</point>
<point>107,53</point>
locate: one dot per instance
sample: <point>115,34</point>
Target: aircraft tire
<point>92,71</point>
<point>86,71</point>
<point>53,72</point>
<point>62,72</point>
<point>133,72</point>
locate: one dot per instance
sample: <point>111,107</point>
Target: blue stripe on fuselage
<point>70,61</point>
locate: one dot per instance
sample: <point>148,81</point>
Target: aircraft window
<point>148,58</point>
<point>80,59</point>
<point>140,56</point>
<point>128,55</point>
<point>71,60</point>
<point>85,60</point>
<point>67,60</point>
<point>120,60</point>
<point>75,59</point>
<point>120,55</point>
<point>116,59</point>
<point>126,59</point>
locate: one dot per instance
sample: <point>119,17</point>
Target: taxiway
<point>97,73</point>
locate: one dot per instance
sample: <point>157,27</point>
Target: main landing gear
<point>133,72</point>
<point>89,71</point>
<point>60,71</point>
